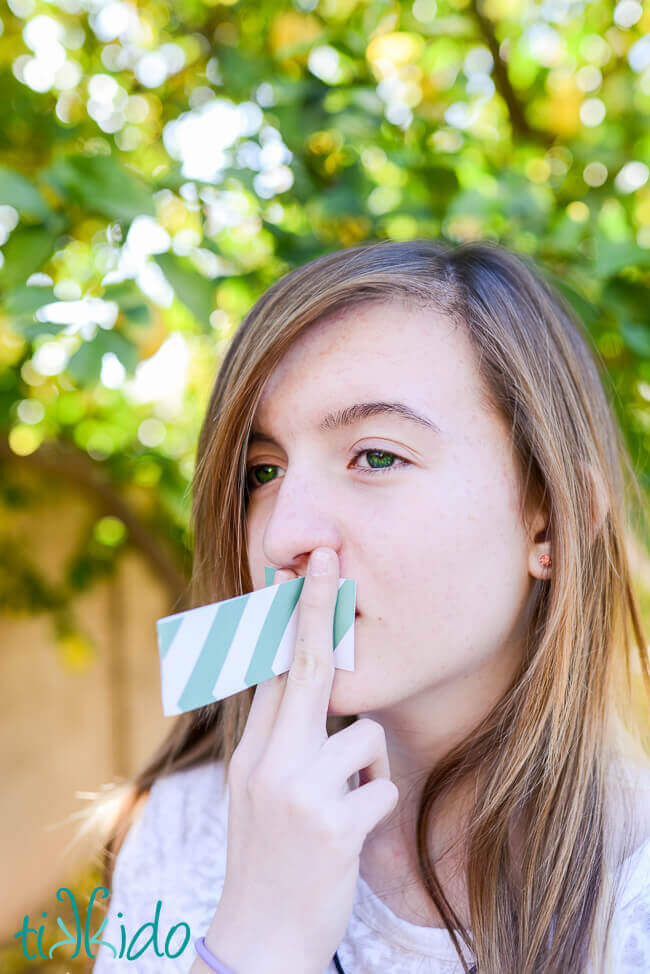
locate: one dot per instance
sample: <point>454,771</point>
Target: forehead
<point>377,349</point>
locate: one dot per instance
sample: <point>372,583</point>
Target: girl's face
<point>423,514</point>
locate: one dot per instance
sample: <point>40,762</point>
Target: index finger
<point>303,710</point>
<point>265,701</point>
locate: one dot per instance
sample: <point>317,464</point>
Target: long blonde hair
<point>549,750</point>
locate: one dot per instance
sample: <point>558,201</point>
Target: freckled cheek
<point>444,557</point>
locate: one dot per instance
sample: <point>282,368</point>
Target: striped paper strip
<point>216,650</point>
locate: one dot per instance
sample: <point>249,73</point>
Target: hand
<point>295,829</point>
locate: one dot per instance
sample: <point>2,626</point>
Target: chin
<point>334,709</point>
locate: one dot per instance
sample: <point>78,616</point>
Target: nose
<point>303,516</point>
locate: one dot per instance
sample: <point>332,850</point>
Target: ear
<point>540,543</point>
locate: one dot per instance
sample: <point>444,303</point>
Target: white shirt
<point>175,852</point>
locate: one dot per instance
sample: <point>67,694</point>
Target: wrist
<point>237,950</point>
<point>206,960</point>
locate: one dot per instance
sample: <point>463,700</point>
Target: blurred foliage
<point>162,164</point>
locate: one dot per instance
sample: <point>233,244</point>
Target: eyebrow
<point>355,413</point>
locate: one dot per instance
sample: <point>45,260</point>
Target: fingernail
<point>320,562</point>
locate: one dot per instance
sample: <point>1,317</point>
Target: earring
<point>545,560</point>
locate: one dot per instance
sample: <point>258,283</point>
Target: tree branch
<point>71,464</point>
<point>502,83</point>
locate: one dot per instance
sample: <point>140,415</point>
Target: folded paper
<point>213,651</point>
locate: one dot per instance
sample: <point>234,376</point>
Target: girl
<point>433,422</point>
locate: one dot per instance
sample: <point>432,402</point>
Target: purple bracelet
<point>210,959</point>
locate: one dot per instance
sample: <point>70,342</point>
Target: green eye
<point>384,456</point>
<point>262,473</point>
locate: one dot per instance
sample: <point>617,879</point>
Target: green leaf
<point>566,235</point>
<point>26,300</point>
<point>611,256</point>
<point>21,303</point>
<point>132,303</point>
<point>139,315</point>
<point>441,181</point>
<point>298,247</point>
<point>637,337</point>
<point>123,348</point>
<point>86,363</point>
<point>31,329</point>
<point>25,253</point>
<point>342,200</point>
<point>100,184</point>
<point>625,300</point>
<point>238,71</point>
<point>194,290</point>
<point>22,195</point>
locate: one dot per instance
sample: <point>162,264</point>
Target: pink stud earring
<point>545,560</point>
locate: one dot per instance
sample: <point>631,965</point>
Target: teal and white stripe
<point>216,650</point>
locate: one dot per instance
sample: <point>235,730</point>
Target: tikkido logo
<point>76,938</point>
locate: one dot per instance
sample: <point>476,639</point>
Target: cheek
<point>254,545</point>
<point>457,570</point>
